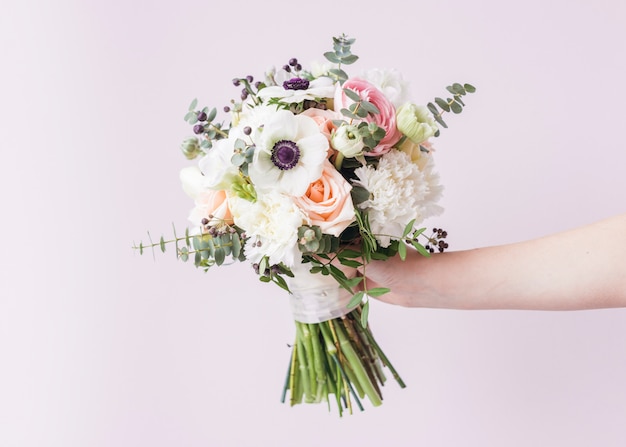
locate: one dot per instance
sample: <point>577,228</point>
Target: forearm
<point>579,269</point>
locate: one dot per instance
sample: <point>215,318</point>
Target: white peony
<point>390,82</point>
<point>399,192</point>
<point>290,151</point>
<point>271,226</point>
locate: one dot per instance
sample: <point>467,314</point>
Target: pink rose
<point>213,206</point>
<point>324,119</point>
<point>327,201</point>
<point>210,204</point>
<point>386,119</point>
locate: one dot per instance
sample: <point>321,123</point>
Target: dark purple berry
<point>236,82</point>
<point>202,116</point>
<point>247,130</point>
<point>293,61</point>
<point>249,78</point>
<point>287,68</point>
<point>226,109</point>
<point>198,129</point>
<point>298,67</point>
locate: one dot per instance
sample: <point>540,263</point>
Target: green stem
<point>354,362</point>
<point>301,356</point>
<point>308,351</point>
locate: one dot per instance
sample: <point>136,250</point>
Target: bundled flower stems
<point>314,174</point>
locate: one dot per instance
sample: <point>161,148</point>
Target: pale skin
<point>583,268</point>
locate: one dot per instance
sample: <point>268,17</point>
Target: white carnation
<point>271,225</point>
<point>399,192</point>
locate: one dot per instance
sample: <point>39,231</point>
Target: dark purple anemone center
<point>296,84</point>
<point>285,154</point>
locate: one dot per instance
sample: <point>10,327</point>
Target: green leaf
<point>440,121</point>
<point>420,248</point>
<point>377,291</point>
<point>354,96</point>
<point>408,228</point>
<point>184,254</point>
<point>238,159</point>
<point>280,281</point>
<point>365,311</point>
<point>433,109</point>
<point>220,256</point>
<point>443,104</point>
<point>351,59</point>
<point>353,282</point>
<point>348,113</point>
<point>402,251</point>
<point>356,300</point>
<point>162,244</point>
<point>211,116</point>
<point>347,253</point>
<point>469,88</point>
<point>370,108</point>
<point>351,263</point>
<point>193,104</point>
<point>332,57</point>
<point>456,107</point>
<point>416,233</point>
<point>236,246</point>
<point>359,194</point>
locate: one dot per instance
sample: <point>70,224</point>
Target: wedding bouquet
<point>315,174</point>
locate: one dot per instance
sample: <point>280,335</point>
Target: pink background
<point>102,347</point>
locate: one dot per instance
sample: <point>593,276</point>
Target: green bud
<point>191,148</point>
<point>416,122</point>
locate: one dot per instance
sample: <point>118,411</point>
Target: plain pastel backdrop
<point>102,347</point>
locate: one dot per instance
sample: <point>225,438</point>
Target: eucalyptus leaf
<point>443,104</point>
<point>220,256</point>
<point>332,57</point>
<point>456,107</point>
<point>354,96</point>
<point>193,104</point>
<point>469,88</point>
<point>351,59</point>
<point>212,114</point>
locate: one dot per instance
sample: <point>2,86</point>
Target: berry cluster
<point>436,241</point>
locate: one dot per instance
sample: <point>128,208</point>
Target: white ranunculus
<point>271,225</point>
<point>290,151</point>
<point>218,170</point>
<point>416,122</point>
<point>390,82</point>
<point>347,140</point>
<point>399,192</point>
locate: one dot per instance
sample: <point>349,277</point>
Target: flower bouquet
<point>315,174</point>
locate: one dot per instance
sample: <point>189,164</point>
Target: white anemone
<point>290,154</point>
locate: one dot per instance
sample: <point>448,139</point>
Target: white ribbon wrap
<point>315,297</point>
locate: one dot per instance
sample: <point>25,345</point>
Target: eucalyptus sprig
<point>341,55</point>
<point>208,249</point>
<point>203,125</point>
<point>454,104</point>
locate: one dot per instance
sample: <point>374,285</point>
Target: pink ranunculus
<point>386,119</point>
<point>327,202</point>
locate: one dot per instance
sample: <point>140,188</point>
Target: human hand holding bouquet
<point>316,174</point>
